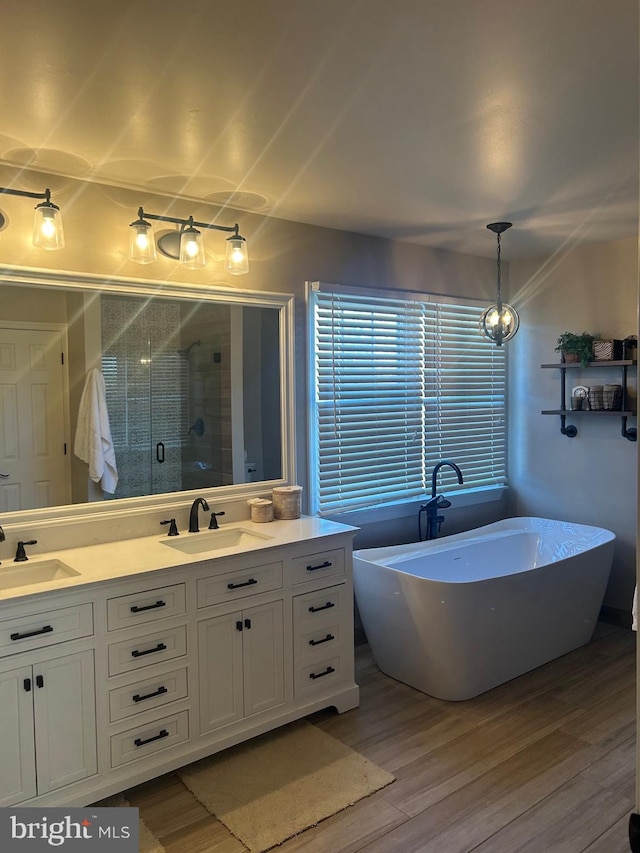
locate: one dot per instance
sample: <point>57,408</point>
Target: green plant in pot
<point>576,347</point>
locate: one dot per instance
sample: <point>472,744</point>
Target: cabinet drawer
<point>147,693</point>
<point>317,642</point>
<point>239,584</point>
<point>152,737</point>
<point>312,567</point>
<point>320,608</point>
<point>45,628</point>
<point>317,676</point>
<point>148,649</point>
<point>146,606</point>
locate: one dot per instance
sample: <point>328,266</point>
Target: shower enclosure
<point>170,370</point>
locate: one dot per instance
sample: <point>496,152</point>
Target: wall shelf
<point>570,430</point>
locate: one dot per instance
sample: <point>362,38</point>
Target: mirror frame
<point>283,302</point>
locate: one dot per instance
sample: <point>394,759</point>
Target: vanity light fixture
<point>184,244</point>
<point>499,322</point>
<point>47,227</point>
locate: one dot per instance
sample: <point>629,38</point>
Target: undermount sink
<point>25,574</point>
<point>215,540</point>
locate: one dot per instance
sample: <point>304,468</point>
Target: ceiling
<point>418,120</point>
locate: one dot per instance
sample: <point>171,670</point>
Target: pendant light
<point>499,322</point>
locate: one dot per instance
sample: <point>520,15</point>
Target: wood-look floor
<point>543,763</point>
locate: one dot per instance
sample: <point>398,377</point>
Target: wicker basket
<point>286,501</point>
<point>261,509</point>
<point>607,350</point>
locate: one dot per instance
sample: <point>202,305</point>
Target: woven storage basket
<point>261,509</point>
<point>607,350</point>
<point>286,501</point>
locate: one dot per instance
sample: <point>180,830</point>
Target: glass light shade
<point>47,227</point>
<point>237,258</point>
<point>142,246</point>
<point>499,324</point>
<point>191,248</point>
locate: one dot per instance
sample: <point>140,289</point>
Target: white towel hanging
<point>93,442</point>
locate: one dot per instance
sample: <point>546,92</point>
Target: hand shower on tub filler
<point>437,502</point>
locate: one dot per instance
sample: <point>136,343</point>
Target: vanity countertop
<point>126,558</point>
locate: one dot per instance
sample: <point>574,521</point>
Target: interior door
<point>33,468</point>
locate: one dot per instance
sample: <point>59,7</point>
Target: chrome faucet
<point>193,514</point>
<point>437,502</point>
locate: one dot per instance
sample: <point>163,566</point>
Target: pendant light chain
<point>499,276</point>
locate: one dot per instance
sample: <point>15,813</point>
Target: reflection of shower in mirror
<point>185,352</point>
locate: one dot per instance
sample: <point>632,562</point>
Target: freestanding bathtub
<point>456,616</point>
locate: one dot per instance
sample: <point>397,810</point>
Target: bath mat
<point>147,842</point>
<point>274,786</point>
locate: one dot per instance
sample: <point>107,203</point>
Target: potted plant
<point>576,347</point>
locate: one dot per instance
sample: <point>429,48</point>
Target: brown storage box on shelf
<point>607,350</point>
<point>286,501</point>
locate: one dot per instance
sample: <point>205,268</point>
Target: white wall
<point>590,478</point>
<point>283,256</point>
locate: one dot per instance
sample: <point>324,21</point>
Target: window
<point>400,381</point>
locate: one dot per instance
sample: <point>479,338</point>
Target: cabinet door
<point>65,720</point>
<point>263,657</point>
<point>220,670</point>
<point>17,754</point>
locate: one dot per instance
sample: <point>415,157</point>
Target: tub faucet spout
<point>434,475</point>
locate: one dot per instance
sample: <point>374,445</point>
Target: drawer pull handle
<point>163,733</point>
<point>46,630</point>
<point>323,640</point>
<point>250,582</point>
<point>158,692</point>
<point>159,648</point>
<point>324,565</point>
<point>327,671</point>
<point>324,607</point>
<point>39,681</point>
<point>136,609</point>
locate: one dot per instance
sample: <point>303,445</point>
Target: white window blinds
<point>399,384</point>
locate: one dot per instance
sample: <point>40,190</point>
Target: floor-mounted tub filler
<point>456,616</point>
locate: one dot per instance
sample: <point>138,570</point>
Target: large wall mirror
<point>196,384</point>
